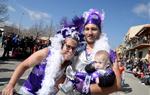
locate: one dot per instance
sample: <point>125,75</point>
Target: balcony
<point>140,43</point>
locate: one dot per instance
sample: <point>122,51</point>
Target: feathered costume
<point>42,79</point>
<point>84,79</point>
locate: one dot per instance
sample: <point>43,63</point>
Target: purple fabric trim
<point>33,83</point>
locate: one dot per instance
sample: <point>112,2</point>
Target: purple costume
<point>33,83</point>
<point>97,74</point>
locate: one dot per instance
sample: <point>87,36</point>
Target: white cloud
<point>8,23</point>
<point>37,15</point>
<point>142,10</point>
<point>12,9</point>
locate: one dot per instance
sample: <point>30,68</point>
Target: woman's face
<point>91,33</point>
<point>69,48</point>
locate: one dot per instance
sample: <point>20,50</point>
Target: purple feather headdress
<point>73,28</point>
<point>78,22</point>
<point>93,16</point>
<point>69,32</point>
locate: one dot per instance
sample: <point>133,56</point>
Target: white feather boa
<point>54,61</point>
<point>102,43</point>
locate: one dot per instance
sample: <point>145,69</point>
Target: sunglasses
<point>70,47</point>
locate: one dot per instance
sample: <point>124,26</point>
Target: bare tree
<point>40,29</point>
<point>50,30</point>
<point>10,29</point>
<point>37,29</point>
<point>3,11</point>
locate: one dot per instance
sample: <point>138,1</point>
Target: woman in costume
<point>48,65</point>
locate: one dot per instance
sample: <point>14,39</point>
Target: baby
<point>98,71</point>
<point>101,69</point>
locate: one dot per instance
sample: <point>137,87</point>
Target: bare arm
<point>33,60</point>
<point>96,90</point>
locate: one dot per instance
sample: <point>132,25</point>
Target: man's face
<point>69,48</point>
<point>91,33</point>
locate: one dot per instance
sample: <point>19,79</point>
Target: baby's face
<point>101,60</point>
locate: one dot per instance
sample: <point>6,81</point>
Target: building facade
<point>137,41</point>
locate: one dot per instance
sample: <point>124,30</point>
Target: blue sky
<point>120,15</point>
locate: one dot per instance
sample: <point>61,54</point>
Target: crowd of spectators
<point>21,47</point>
<point>140,68</point>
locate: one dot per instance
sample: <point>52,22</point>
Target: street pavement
<point>132,85</point>
<point>7,67</point>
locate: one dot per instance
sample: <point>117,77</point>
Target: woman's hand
<point>8,90</point>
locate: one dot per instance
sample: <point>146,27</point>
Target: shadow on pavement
<point>11,59</point>
<point>6,70</point>
<point>5,62</point>
<point>2,84</point>
<point>126,85</point>
<point>126,88</point>
<point>4,81</point>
